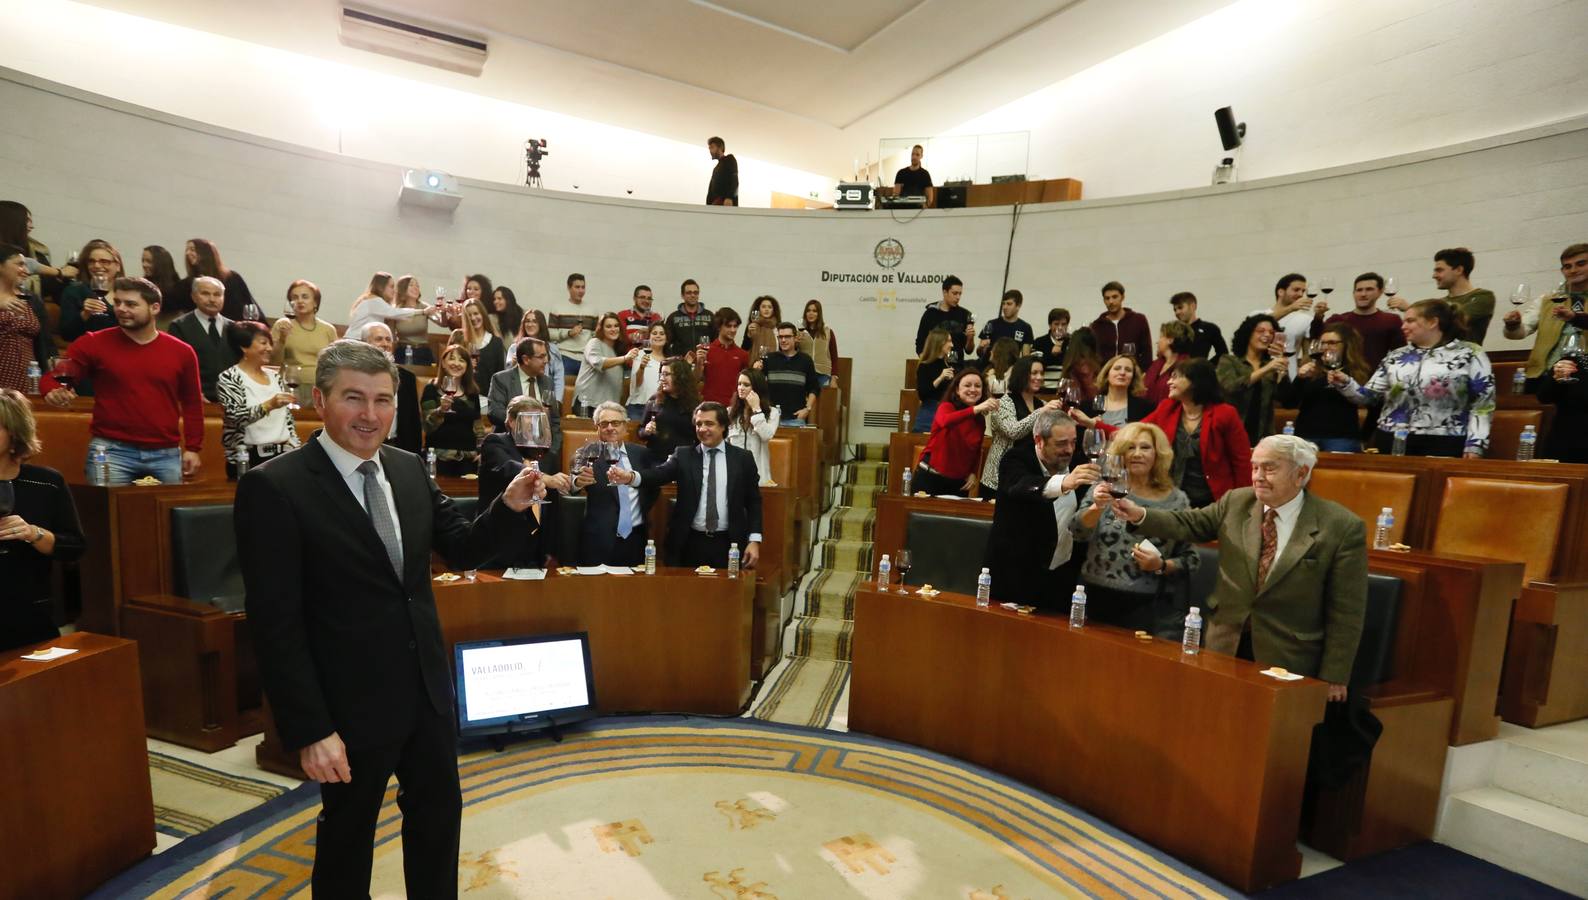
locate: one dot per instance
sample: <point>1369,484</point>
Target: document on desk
<point>48,653</point>
<point>525,574</point>
<point>604,570</point>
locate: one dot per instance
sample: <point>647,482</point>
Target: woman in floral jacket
<point>1439,388</point>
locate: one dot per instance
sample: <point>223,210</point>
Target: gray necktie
<point>215,334</point>
<point>380,515</point>
<point>711,490</point>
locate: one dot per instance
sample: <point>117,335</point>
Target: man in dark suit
<point>500,462</point>
<point>1292,584</point>
<point>335,541</point>
<point>719,495</point>
<point>614,531</point>
<point>1030,553</point>
<point>528,378</point>
<point>406,428</point>
<point>204,329</point>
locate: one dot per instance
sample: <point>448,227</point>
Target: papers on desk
<point>48,653</point>
<point>604,570</point>
<point>525,574</point>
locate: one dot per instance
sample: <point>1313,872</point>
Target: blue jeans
<point>1339,445</point>
<point>129,462</point>
<point>924,417</point>
<point>824,380</point>
<point>570,366</point>
<point>791,422</point>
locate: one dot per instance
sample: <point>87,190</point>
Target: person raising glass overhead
<point>948,462</point>
<point>1322,415</point>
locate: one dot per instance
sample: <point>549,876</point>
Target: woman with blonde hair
<point>932,374</point>
<point>378,303</point>
<point>1130,582</point>
<point>412,333</point>
<point>480,340</point>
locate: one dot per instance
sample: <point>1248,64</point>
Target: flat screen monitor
<point>523,683</point>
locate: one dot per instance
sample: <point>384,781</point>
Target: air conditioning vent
<point>873,419</point>
<point>420,42</point>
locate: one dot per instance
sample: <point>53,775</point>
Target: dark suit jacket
<point>215,355</point>
<point>527,545</point>
<point>1024,533</point>
<point>1308,616</point>
<point>344,644</point>
<point>684,468</point>
<point>410,428</point>
<point>600,530</point>
<point>505,386</point>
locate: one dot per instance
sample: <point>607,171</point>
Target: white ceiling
<point>810,85</point>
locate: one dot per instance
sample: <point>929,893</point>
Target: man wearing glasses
<point>614,530</point>
<point>528,379</point>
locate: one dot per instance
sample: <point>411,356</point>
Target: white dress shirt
<point>633,497</point>
<point>1285,523</point>
<point>1065,505</point>
<point>699,523</point>
<point>347,466</point>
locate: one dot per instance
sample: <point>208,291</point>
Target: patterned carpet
<point>808,687</point>
<point>190,798</point>
<point>708,808</point>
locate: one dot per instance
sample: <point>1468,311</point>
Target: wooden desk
<point>1200,756</point>
<point>672,642</point>
<point>77,807</point>
<point>1546,659</point>
<point>893,516</point>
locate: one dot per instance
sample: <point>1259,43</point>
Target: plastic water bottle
<point>733,560</point>
<point>240,460</point>
<point>1526,443</point>
<point>650,557</point>
<point>1399,447</point>
<point>430,462</point>
<point>1381,534</point>
<point>984,588</point>
<point>904,422</point>
<point>904,482</point>
<point>408,354</point>
<point>1290,427</point>
<point>101,467</point>
<point>1191,642</point>
<point>1078,607</point>
<point>884,569</point>
<point>1519,382</point>
<point>33,378</point>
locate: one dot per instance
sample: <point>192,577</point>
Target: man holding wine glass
<point>1554,316</point>
<point>527,378</point>
<point>148,414</point>
<point>614,531</point>
<point>1380,330</point>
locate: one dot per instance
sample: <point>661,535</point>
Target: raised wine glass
<point>532,434</point>
<point>449,385</point>
<point>252,312</point>
<point>1118,475</point>
<point>1094,443</point>
<point>1331,359</point>
<point>67,372</point>
<point>901,564</point>
<point>291,377</point>
<point>1520,294</point>
<point>1128,348</point>
<point>1573,350</point>
<point>1389,287</point>
<point>1326,285</point>
<point>8,505</point>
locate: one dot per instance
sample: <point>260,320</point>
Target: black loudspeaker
<point>1230,131</point>
<point>952,195</point>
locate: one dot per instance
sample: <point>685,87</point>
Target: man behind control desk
<point>204,329</point>
<point>614,532</point>
<point>1292,584</point>
<point>528,379</point>
<point>1030,551</point>
<point>914,181</point>
<point>148,412</point>
<point>724,187</point>
<point>334,540</point>
<point>719,495</point>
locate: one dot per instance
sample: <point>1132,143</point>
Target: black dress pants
<point>426,766</point>
<point>702,549</point>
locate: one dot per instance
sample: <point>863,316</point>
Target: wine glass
<point>1312,290</point>
<point>1326,285</point>
<point>532,433</point>
<point>1094,443</point>
<point>1331,359</point>
<point>1389,287</point>
<point>1118,475</point>
<point>67,372</point>
<point>1520,294</point>
<point>8,503</point>
<point>1572,350</point>
<point>901,564</point>
<point>449,385</point>
<point>1128,348</point>
<point>585,457</point>
<point>1074,395</point>
<point>1062,390</point>
<point>291,377</point>
<point>252,312</point>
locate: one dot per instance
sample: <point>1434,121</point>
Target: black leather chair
<point>204,557</point>
<point>945,551</point>
<point>1375,655</point>
<point>1205,578</point>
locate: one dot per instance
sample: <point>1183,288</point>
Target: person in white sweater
<point>751,423</point>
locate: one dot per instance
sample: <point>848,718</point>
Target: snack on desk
<point>146,481</point>
<point>448,577</point>
<point>705,570</point>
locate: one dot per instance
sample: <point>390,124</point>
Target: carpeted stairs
<point>809,686</point>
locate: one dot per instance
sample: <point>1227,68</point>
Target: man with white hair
<point>204,329</point>
<point>1292,566</point>
<point>405,426</point>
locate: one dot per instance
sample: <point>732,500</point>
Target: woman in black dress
<point>39,528</point>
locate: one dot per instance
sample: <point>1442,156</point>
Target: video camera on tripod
<point>534,151</point>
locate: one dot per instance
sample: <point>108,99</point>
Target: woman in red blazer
<point>1211,451</point>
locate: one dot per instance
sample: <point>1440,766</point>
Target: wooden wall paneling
<point>1546,659</point>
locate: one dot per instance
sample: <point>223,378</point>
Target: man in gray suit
<point>1292,566</point>
<point>204,329</point>
<point>527,378</point>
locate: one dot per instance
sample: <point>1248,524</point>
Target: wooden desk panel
<point>672,642</point>
<point>77,808</point>
<point>1546,659</point>
<point>1200,756</point>
<point>893,516</point>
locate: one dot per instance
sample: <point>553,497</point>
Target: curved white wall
<point>90,167</point>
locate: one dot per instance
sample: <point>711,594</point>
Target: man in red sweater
<point>637,321</point>
<point>724,360</point>
<point>1120,325</point>
<point>1380,330</point>
<point>148,411</point>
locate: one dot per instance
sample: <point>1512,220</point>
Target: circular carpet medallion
<point>731,809</point>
